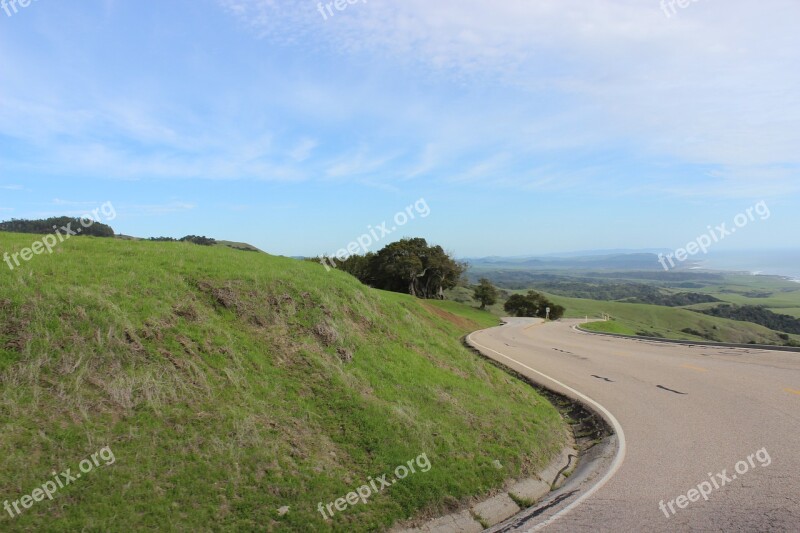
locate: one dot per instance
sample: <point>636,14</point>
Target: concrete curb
<point>500,507</point>
<point>599,435</point>
<point>504,506</point>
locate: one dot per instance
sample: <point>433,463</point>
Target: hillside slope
<point>652,320</point>
<point>232,385</point>
<point>668,322</point>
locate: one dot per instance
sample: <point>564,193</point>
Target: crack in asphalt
<point>572,354</point>
<point>671,390</point>
<point>601,377</point>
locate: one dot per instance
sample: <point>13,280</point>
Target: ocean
<point>772,262</point>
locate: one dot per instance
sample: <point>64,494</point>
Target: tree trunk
<point>414,284</point>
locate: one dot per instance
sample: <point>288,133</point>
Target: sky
<point>524,127</point>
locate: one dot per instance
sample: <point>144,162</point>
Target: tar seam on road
<point>570,457</point>
<point>676,392</point>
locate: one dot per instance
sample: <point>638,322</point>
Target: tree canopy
<point>409,266</point>
<point>757,315</point>
<point>54,224</point>
<point>195,239</point>
<point>485,293</point>
<point>533,304</point>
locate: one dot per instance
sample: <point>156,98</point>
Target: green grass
<point>610,326</point>
<point>676,322</point>
<point>775,293</point>
<point>791,311</point>
<point>483,318</point>
<point>223,382</point>
<point>463,295</point>
<point>667,322</point>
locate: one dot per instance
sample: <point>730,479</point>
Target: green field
<point>463,295</point>
<point>791,311</point>
<point>668,322</point>
<point>230,385</point>
<point>769,291</point>
<point>678,322</point>
<point>610,326</point>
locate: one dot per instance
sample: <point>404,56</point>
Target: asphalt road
<point>686,417</point>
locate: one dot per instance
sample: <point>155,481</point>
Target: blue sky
<point>528,126</point>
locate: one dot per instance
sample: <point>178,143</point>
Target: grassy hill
<point>239,390</point>
<point>669,322</point>
<point>777,294</point>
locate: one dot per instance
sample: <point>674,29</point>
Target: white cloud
<point>717,84</point>
<point>357,164</point>
<point>303,150</point>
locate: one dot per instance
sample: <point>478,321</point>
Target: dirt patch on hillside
<point>460,322</point>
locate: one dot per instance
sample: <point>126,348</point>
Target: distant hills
<point>593,260</point>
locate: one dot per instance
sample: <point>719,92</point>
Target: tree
<point>485,293</point>
<point>64,225</point>
<point>556,311</point>
<point>201,240</point>
<point>356,265</point>
<point>409,266</point>
<point>414,267</point>
<point>533,304</point>
<point>519,305</point>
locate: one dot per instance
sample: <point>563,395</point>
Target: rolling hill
<point>238,391</point>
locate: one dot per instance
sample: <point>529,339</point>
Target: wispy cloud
<point>712,99</point>
<point>302,150</point>
<point>578,106</point>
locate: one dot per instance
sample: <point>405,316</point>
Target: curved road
<point>690,415</point>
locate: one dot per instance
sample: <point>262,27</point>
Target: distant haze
<point>771,262</point>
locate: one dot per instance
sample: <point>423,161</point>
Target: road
<point>686,416</point>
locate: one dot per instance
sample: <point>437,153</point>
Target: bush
<point>757,315</point>
<point>202,241</point>
<point>533,304</point>
<point>51,225</point>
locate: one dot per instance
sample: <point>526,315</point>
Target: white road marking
<point>618,459</point>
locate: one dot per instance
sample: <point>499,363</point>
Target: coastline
<point>781,263</point>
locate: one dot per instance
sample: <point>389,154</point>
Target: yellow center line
<point>793,391</point>
<point>698,368</point>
